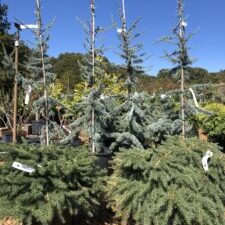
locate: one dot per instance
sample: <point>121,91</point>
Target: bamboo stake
<point>15,87</point>
<point>93,33</point>
<point>181,33</point>
<point>124,28</point>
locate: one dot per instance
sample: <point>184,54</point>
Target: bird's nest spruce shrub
<point>168,185</point>
<point>64,181</point>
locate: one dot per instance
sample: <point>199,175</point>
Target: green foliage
<point>4,23</point>
<point>179,57</point>
<point>7,72</point>
<point>144,121</point>
<point>194,75</point>
<point>32,78</point>
<point>214,124</point>
<point>69,74</point>
<point>168,185</point>
<point>67,68</point>
<point>131,53</point>
<point>65,180</point>
<point>6,49</point>
<point>131,121</point>
<point>92,115</point>
<point>130,124</point>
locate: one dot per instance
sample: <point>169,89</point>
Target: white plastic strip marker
<point>29,26</point>
<point>24,168</point>
<point>28,93</point>
<point>205,159</point>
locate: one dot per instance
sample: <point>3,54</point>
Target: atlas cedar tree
<point>4,23</point>
<point>43,48</point>
<point>37,76</point>
<point>92,115</point>
<point>180,56</point>
<point>130,118</point>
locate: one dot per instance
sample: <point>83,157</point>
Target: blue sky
<point>158,17</point>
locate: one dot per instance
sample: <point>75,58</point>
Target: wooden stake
<point>93,33</point>
<point>15,87</point>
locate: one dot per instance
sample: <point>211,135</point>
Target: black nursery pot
<point>37,126</point>
<point>7,136</point>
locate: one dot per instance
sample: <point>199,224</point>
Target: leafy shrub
<point>213,125</point>
<point>65,180</point>
<point>168,185</point>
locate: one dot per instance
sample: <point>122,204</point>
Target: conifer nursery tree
<point>91,115</point>
<point>180,57</point>
<point>38,77</point>
<point>130,118</point>
<point>4,23</point>
<point>42,44</point>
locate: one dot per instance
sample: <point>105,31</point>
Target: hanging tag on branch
<point>184,24</point>
<point>65,128</point>
<point>23,167</point>
<point>102,97</point>
<point>205,159</point>
<point>28,93</point>
<point>17,43</point>
<point>120,30</point>
<point>163,96</point>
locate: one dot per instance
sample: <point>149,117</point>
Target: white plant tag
<point>23,168</point>
<point>184,24</point>
<point>120,30</point>
<point>17,43</point>
<point>102,97</point>
<point>66,129</point>
<point>163,96</point>
<point>29,26</point>
<point>205,159</point>
<point>194,97</point>
<point>28,92</point>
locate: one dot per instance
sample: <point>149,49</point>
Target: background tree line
<point>66,66</point>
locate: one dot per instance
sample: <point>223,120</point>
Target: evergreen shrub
<point>65,181</point>
<point>168,185</point>
<point>214,124</point>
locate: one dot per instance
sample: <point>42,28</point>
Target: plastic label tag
<point>28,92</point>
<point>29,26</point>
<point>120,31</point>
<point>24,168</point>
<point>184,23</point>
<point>17,43</point>
<point>205,159</point>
